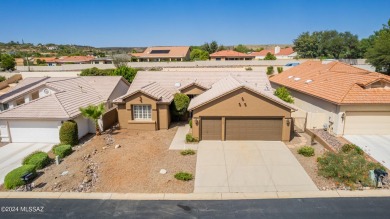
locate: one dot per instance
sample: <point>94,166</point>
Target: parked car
<point>292,64</point>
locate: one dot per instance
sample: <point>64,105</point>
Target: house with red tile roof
<point>279,53</point>
<point>227,55</point>
<point>163,54</point>
<point>341,98</point>
<point>70,60</point>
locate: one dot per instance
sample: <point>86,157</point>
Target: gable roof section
<point>231,53</point>
<point>174,52</point>
<point>229,84</point>
<point>284,51</point>
<point>335,82</point>
<point>153,90</point>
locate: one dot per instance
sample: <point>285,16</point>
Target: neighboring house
<point>344,99</point>
<point>46,59</point>
<point>226,55</point>
<point>70,60</point>
<point>102,60</point>
<point>34,109</point>
<point>164,54</point>
<point>224,105</point>
<point>286,53</point>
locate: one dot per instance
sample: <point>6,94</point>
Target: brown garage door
<point>254,129</point>
<point>211,129</point>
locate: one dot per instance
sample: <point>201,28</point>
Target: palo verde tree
<point>93,112</point>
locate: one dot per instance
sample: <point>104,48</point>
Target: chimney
<point>277,49</point>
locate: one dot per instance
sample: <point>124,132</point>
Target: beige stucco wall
<point>164,116</point>
<point>193,90</point>
<point>241,103</point>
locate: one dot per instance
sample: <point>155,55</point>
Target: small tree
<point>269,56</point>
<point>126,72</point>
<point>120,60</point>
<point>7,62</point>
<point>180,104</point>
<point>93,112</point>
<point>284,94</point>
<point>280,69</point>
<point>198,54</point>
<point>241,48</point>
<point>270,70</point>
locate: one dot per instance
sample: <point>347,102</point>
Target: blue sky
<point>187,22</point>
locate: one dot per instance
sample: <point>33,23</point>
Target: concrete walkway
<point>12,154</point>
<point>179,142</point>
<point>249,166</point>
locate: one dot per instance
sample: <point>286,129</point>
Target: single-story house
<point>164,54</point>
<point>34,109</point>
<point>102,60</point>
<point>279,53</point>
<point>70,60</point>
<point>344,99</point>
<point>227,55</point>
<point>224,105</point>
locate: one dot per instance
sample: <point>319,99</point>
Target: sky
<point>131,23</point>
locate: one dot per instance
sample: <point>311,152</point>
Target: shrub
<point>190,123</point>
<point>348,168</point>
<point>183,176</point>
<point>280,69</point>
<point>187,152</point>
<point>38,158</point>
<point>69,133</point>
<point>270,70</point>
<point>198,54</point>
<point>126,72</point>
<point>284,94</point>
<point>306,151</point>
<point>190,138</point>
<point>96,72</point>
<point>12,179</point>
<point>248,68</point>
<point>270,56</point>
<point>2,78</point>
<point>351,147</point>
<point>62,150</point>
<point>180,104</point>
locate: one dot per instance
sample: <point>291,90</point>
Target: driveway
<point>11,155</point>
<point>249,166</point>
<point>377,146</point>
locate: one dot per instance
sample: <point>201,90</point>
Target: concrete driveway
<point>377,146</point>
<point>11,155</point>
<point>248,166</point>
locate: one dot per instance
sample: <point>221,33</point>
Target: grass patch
<point>38,158</point>
<point>349,167</point>
<point>306,151</point>
<point>183,176</point>
<point>62,150</point>
<point>12,179</point>
<point>187,152</point>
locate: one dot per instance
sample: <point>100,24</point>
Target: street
<point>274,208</point>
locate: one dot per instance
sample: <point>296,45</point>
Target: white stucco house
<point>279,53</point>
<point>345,99</point>
<point>34,110</point>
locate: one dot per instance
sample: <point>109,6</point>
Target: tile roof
<point>335,82</point>
<point>285,51</point>
<point>230,53</point>
<point>163,85</point>
<point>70,94</point>
<point>174,52</point>
<point>70,59</point>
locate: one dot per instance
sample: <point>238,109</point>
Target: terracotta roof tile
<point>230,53</point>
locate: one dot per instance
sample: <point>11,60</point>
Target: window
<point>35,95</point>
<point>142,112</point>
<point>20,101</point>
<point>5,106</point>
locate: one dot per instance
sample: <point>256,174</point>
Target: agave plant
<point>93,112</point>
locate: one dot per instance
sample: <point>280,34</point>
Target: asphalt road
<point>274,208</point>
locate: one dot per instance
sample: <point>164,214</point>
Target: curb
<point>195,196</point>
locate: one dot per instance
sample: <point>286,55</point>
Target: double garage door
<point>367,123</point>
<point>34,131</point>
<point>267,129</point>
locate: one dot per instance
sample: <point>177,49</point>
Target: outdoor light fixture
<point>196,121</point>
<point>288,122</point>
<point>343,116</point>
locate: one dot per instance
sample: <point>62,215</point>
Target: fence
<point>109,118</point>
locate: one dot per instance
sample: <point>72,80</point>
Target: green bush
<point>270,70</point>
<point>190,138</point>
<point>284,94</point>
<point>96,72</point>
<point>248,68</point>
<point>12,179</point>
<point>188,152</point>
<point>280,69</point>
<point>346,167</point>
<point>179,104</point>
<point>38,158</point>
<point>2,78</point>
<point>69,133</point>
<point>270,56</point>
<point>183,176</point>
<point>62,150</point>
<point>126,72</point>
<point>306,151</point>
<point>190,123</point>
<point>351,147</point>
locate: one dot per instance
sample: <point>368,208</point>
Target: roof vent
<point>297,79</point>
<point>177,84</point>
<point>308,81</point>
<point>290,76</point>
